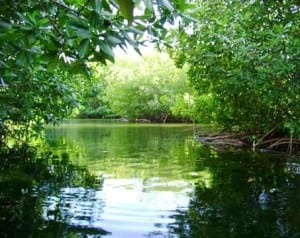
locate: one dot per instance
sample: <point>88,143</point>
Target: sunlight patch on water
<point>133,209</point>
<point>148,172</point>
<point>129,207</point>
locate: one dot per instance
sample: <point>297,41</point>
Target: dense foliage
<point>243,59</point>
<point>44,43</point>
<point>150,88</point>
<point>92,95</point>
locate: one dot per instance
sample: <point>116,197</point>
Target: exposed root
<point>267,141</point>
<point>221,140</point>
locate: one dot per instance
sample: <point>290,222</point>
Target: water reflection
<point>149,181</point>
<point>159,183</point>
<point>47,197</point>
<point>75,206</point>
<point>127,207</point>
<point>251,196</point>
<point>148,171</point>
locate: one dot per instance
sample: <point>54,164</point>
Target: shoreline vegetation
<point>158,119</point>
<point>222,140</point>
<point>269,142</point>
<point>225,139</point>
<point>234,64</point>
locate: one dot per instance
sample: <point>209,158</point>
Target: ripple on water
<point>133,211</point>
<point>123,206</point>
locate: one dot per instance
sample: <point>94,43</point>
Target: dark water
<point>149,181</point>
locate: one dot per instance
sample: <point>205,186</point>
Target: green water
<point>153,180</point>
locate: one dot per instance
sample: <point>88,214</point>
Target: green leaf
<point>26,27</point>
<point>99,57</point>
<point>79,68</point>
<point>3,64</point>
<point>138,50</point>
<point>114,40</point>
<point>78,22</point>
<point>22,59</point>
<point>31,18</point>
<point>98,6</point>
<point>10,74</point>
<point>128,38</point>
<point>126,8</point>
<point>53,63</point>
<point>136,30</point>
<point>247,16</point>
<point>43,22</point>
<point>189,18</point>
<point>83,33</point>
<point>168,5</point>
<point>106,49</point>
<point>84,48</point>
<point>5,25</point>
<point>148,4</point>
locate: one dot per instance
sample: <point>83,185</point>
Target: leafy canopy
<point>243,59</point>
<point>150,87</point>
<point>44,43</point>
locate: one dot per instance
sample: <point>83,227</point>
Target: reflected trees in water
<point>216,194</point>
<point>38,197</point>
<point>251,196</point>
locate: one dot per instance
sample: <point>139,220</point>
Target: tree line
<point>241,59</point>
<point>149,87</point>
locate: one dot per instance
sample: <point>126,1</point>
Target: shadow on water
<point>252,195</point>
<point>155,182</point>
<point>47,197</point>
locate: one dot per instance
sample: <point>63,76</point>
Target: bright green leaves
<point>79,27</point>
<point>52,63</point>
<point>145,88</point>
<point>77,22</point>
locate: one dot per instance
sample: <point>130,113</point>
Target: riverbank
<point>144,119</point>
<point>270,141</point>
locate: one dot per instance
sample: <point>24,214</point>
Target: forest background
<point>241,60</point>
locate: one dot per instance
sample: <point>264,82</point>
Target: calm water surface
<point>148,173</point>
<point>157,181</point>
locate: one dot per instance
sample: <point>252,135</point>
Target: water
<point>152,181</point>
<point>147,170</point>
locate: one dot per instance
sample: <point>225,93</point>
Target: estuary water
<point>154,180</point>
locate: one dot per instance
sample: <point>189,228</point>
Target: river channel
<point>156,180</point>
